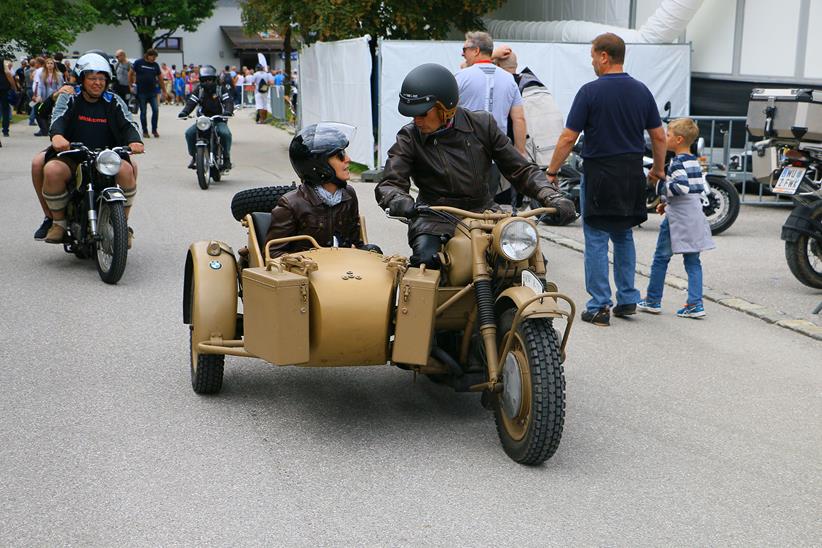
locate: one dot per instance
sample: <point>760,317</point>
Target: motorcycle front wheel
<point>804,256</point>
<point>215,166</point>
<point>112,247</point>
<point>530,410</point>
<point>203,170</point>
<point>723,204</point>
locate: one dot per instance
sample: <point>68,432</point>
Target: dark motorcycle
<point>208,159</point>
<point>95,215</point>
<point>789,160</point>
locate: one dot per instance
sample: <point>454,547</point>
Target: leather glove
<point>566,212</point>
<point>402,206</point>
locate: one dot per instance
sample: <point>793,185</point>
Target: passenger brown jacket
<point>302,211</point>
<point>451,167</point>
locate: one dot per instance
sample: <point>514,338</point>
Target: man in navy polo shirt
<point>146,74</point>
<point>614,111</point>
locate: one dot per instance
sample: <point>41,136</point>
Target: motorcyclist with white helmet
<point>98,119</point>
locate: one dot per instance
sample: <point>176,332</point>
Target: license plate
<point>532,282</point>
<point>789,180</point>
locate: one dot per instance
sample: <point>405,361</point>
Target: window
<point>172,43</point>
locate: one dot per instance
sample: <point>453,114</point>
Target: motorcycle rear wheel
<point>530,416</point>
<point>111,251</point>
<point>804,256</point>
<point>203,171</point>
<point>724,204</point>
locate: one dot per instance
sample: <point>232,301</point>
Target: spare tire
<point>258,200</point>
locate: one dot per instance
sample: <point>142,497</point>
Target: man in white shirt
<point>484,86</point>
<point>261,80</point>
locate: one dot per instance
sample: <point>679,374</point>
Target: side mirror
<point>700,146</point>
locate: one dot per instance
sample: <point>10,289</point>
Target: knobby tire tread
<point>207,377</point>
<point>796,254</point>
<point>117,216</point>
<point>257,200</point>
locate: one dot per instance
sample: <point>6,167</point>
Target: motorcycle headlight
<point>203,123</point>
<point>515,239</point>
<point>108,162</point>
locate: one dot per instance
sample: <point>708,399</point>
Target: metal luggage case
<point>416,311</point>
<point>785,114</point>
<point>275,316</point>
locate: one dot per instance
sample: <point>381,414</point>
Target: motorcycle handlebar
<point>485,216</point>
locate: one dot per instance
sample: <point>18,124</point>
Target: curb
<point>769,315</point>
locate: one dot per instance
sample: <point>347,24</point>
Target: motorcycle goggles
<point>414,105</point>
<point>326,138</point>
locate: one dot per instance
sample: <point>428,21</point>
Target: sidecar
<point>332,307</point>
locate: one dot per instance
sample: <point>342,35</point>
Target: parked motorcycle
<point>208,159</point>
<point>95,215</point>
<point>789,159</point>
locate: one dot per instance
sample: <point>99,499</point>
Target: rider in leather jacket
<point>447,151</point>
<point>212,99</point>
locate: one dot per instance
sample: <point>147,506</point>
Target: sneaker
<point>649,307</point>
<point>600,317</point>
<point>145,135</point>
<point>5,134</point>
<point>40,233</point>
<point>155,133</point>
<point>226,164</point>
<point>130,237</point>
<point>691,311</point>
<point>622,310</point>
<point>56,234</point>
<point>40,134</point>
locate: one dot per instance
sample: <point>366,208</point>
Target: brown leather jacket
<point>302,211</point>
<point>451,167</point>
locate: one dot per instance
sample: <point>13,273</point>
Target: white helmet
<point>92,62</point>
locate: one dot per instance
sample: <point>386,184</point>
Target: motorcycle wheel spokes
<point>112,247</point>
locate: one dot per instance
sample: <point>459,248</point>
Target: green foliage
<point>35,26</point>
<point>339,19</point>
<point>154,20</point>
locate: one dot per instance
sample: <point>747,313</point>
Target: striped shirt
<point>684,177</point>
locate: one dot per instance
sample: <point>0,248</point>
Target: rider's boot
<point>57,232</point>
<point>226,162</point>
<point>192,164</point>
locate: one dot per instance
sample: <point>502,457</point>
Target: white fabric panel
<point>335,86</point>
<point>813,53</point>
<point>563,68</point>
<point>766,26</point>
<point>712,33</point>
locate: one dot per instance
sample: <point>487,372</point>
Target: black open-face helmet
<point>311,148</point>
<point>424,86</point>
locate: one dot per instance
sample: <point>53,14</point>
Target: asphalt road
<point>678,432</point>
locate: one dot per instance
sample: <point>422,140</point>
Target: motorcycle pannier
<point>275,315</point>
<point>416,309</point>
<point>786,114</point>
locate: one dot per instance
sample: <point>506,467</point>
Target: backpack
<point>262,86</point>
<point>544,122</point>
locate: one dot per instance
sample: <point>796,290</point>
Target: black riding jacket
<point>68,110</point>
<point>211,104</point>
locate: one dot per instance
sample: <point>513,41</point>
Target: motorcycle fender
<point>200,144</point>
<point>210,291</point>
<point>113,194</point>
<point>515,297</point>
<point>800,223</point>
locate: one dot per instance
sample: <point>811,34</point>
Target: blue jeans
<point>662,256</point>
<point>597,283</point>
<point>144,100</point>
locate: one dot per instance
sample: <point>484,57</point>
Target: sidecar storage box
<point>275,315</point>
<point>797,113</point>
<point>416,309</point>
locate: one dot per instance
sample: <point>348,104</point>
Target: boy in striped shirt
<point>685,229</point>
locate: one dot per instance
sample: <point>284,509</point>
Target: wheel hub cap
<point>511,386</point>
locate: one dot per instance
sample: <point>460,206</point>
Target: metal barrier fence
<point>278,107</point>
<point>726,134</point>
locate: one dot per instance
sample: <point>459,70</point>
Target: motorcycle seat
<point>261,223</point>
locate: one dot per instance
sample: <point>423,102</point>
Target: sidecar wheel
<point>206,371</point>
<point>530,411</point>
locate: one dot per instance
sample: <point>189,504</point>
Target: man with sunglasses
<point>448,151</point>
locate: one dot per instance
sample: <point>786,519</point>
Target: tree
<point>155,20</point>
<point>279,16</point>
<point>37,26</point>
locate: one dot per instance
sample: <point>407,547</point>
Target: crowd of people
<point>482,105</point>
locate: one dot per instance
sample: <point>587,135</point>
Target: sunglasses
<point>340,154</point>
<point>469,47</point>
